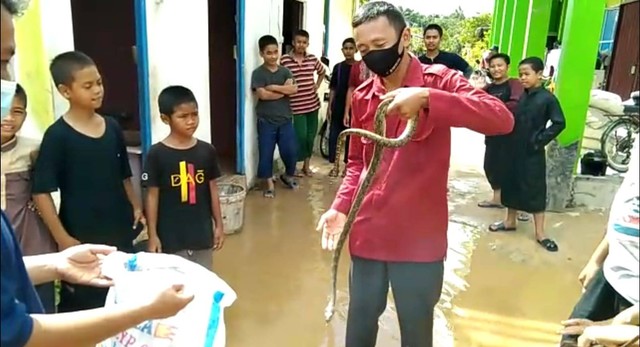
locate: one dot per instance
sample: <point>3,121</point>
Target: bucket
<point>232,204</point>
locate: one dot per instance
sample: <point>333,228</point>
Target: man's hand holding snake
<point>407,102</point>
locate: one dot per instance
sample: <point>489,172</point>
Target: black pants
<point>416,290</point>
<point>599,302</point>
<point>47,294</point>
<point>74,297</point>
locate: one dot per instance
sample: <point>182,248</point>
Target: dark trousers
<point>270,135</point>
<point>47,294</point>
<point>599,302</point>
<point>336,127</point>
<point>74,297</point>
<point>416,290</point>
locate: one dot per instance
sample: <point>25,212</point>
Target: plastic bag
<point>138,277</point>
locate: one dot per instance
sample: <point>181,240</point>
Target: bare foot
<point>333,173</point>
<point>307,172</point>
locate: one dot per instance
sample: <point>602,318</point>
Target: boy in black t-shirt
<point>180,175</point>
<point>83,155</point>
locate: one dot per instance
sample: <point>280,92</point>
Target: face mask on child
<point>8,92</point>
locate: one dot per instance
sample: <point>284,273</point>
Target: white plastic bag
<point>139,277</point>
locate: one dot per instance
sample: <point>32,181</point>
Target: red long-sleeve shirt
<point>404,216</point>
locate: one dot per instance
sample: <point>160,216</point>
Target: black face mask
<point>383,62</point>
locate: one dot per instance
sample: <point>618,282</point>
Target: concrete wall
<point>179,54</point>
<point>341,14</point>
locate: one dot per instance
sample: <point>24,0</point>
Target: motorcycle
<point>620,133</point>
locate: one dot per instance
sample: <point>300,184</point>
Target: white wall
<point>178,38</point>
<point>314,23</point>
<point>57,32</point>
<point>339,28</point>
<point>262,17</point>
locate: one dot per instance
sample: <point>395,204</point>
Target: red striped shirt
<point>306,99</point>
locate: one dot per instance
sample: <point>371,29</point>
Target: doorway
<point>112,47</point>
<point>222,81</point>
<point>624,74</point>
<point>292,21</point>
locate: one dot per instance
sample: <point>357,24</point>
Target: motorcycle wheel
<point>616,144</point>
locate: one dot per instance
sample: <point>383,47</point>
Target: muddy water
<point>500,290</point>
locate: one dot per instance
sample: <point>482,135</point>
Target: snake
<point>380,143</point>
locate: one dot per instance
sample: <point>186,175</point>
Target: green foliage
<point>460,33</point>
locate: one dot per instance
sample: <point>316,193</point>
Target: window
<point>608,30</point>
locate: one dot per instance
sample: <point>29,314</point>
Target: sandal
<point>333,173</point>
<point>290,183</point>
<point>549,245</point>
<point>523,217</point>
<point>269,193</point>
<point>489,204</point>
<point>500,227</point>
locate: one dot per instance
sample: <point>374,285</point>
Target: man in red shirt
<point>400,234</point>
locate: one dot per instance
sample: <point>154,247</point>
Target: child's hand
<point>154,245</point>
<point>218,238</point>
<point>138,217</point>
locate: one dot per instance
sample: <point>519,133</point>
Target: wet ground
<point>500,290</point>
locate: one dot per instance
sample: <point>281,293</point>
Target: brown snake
<point>380,143</point>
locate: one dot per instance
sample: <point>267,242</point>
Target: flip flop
<point>500,227</point>
<point>489,204</point>
<point>524,217</point>
<point>269,193</point>
<point>290,183</point>
<point>549,245</point>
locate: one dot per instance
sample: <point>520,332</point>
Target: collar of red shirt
<point>414,77</point>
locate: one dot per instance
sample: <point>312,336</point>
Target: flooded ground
<point>500,290</point>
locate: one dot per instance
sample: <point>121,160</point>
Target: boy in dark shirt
<point>180,175</point>
<point>83,154</point>
<point>339,87</point>
<point>272,85</point>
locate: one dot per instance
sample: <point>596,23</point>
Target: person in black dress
<point>508,90</point>
<point>339,87</point>
<point>84,156</point>
<point>524,187</point>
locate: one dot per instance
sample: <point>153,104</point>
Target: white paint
<point>261,24</point>
<point>339,28</point>
<point>57,34</point>
<point>313,22</point>
<point>178,38</point>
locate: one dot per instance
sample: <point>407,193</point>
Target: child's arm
<point>151,182</point>
<point>556,116</point>
<point>289,87</point>
<point>216,211</point>
<point>213,173</point>
<point>47,170</point>
<point>155,245</point>
<point>321,73</point>
<point>259,87</point>
<point>125,171</point>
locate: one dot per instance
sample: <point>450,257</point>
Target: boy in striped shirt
<point>305,104</point>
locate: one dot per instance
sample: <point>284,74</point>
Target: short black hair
<point>503,56</point>
<point>301,33</point>
<point>15,7</point>
<point>536,63</point>
<point>172,97</point>
<point>349,40</point>
<point>435,27</point>
<point>65,65</point>
<point>21,94</point>
<point>266,40</point>
<point>376,9</point>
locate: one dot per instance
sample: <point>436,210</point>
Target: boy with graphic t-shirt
<point>183,207</point>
